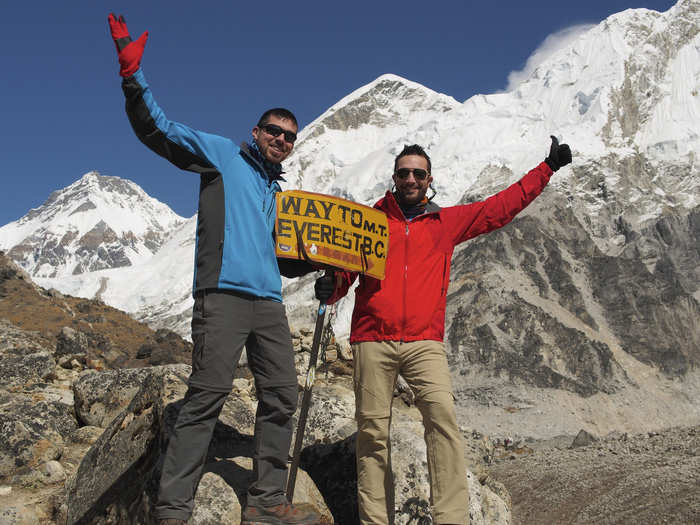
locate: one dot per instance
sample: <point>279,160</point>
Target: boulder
<point>113,473</point>
<point>331,416</point>
<point>32,433</point>
<point>24,358</point>
<point>583,439</point>
<point>330,461</point>
<point>22,368</point>
<point>118,478</point>
<point>70,342</point>
<point>223,487</point>
<point>101,396</point>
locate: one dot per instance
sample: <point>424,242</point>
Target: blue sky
<point>217,65</point>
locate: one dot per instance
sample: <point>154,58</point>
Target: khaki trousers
<point>424,366</point>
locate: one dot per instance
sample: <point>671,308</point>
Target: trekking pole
<point>306,401</point>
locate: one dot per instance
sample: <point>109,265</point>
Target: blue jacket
<point>235,247</point>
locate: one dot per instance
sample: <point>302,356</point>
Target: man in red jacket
<point>398,326</point>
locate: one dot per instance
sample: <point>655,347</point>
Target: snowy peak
<point>383,103</point>
<point>626,86</point>
<point>359,126</point>
<point>95,223</point>
<point>139,288</point>
<point>93,197</point>
<point>631,80</point>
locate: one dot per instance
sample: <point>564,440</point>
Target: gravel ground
<point>651,478</point>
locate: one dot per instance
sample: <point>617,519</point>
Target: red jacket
<point>409,304</point>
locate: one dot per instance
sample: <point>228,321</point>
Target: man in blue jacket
<point>237,292</point>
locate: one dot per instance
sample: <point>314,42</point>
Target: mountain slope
<point>102,336</point>
<point>158,291</point>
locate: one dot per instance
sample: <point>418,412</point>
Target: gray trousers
<point>222,323</point>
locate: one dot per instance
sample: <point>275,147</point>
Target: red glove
<point>129,52</point>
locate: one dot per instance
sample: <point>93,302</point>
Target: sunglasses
<point>276,131</point>
<point>418,174</point>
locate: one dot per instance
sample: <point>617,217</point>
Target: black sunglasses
<point>276,131</point>
<point>418,173</point>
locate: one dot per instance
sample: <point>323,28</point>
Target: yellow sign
<point>331,231</point>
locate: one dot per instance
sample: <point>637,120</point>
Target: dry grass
<point>113,336</point>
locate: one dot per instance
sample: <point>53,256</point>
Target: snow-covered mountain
<point>157,291</point>
<point>624,95</point>
<point>95,223</point>
<point>591,293</point>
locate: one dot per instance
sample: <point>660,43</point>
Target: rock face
<point>648,313</point>
<point>532,319</point>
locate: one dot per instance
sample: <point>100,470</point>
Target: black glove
<point>294,267</point>
<point>559,155</point>
<point>325,286</point>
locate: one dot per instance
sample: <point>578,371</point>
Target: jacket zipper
<point>405,285</point>
<point>443,290</point>
<point>269,194</point>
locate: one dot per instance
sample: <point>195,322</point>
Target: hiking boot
<point>172,521</point>
<point>282,514</point>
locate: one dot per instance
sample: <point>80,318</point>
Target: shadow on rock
<point>332,468</point>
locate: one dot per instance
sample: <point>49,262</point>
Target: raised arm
<point>470,220</point>
<point>187,148</point>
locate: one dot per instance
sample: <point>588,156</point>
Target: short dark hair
<point>279,113</point>
<point>413,149</point>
